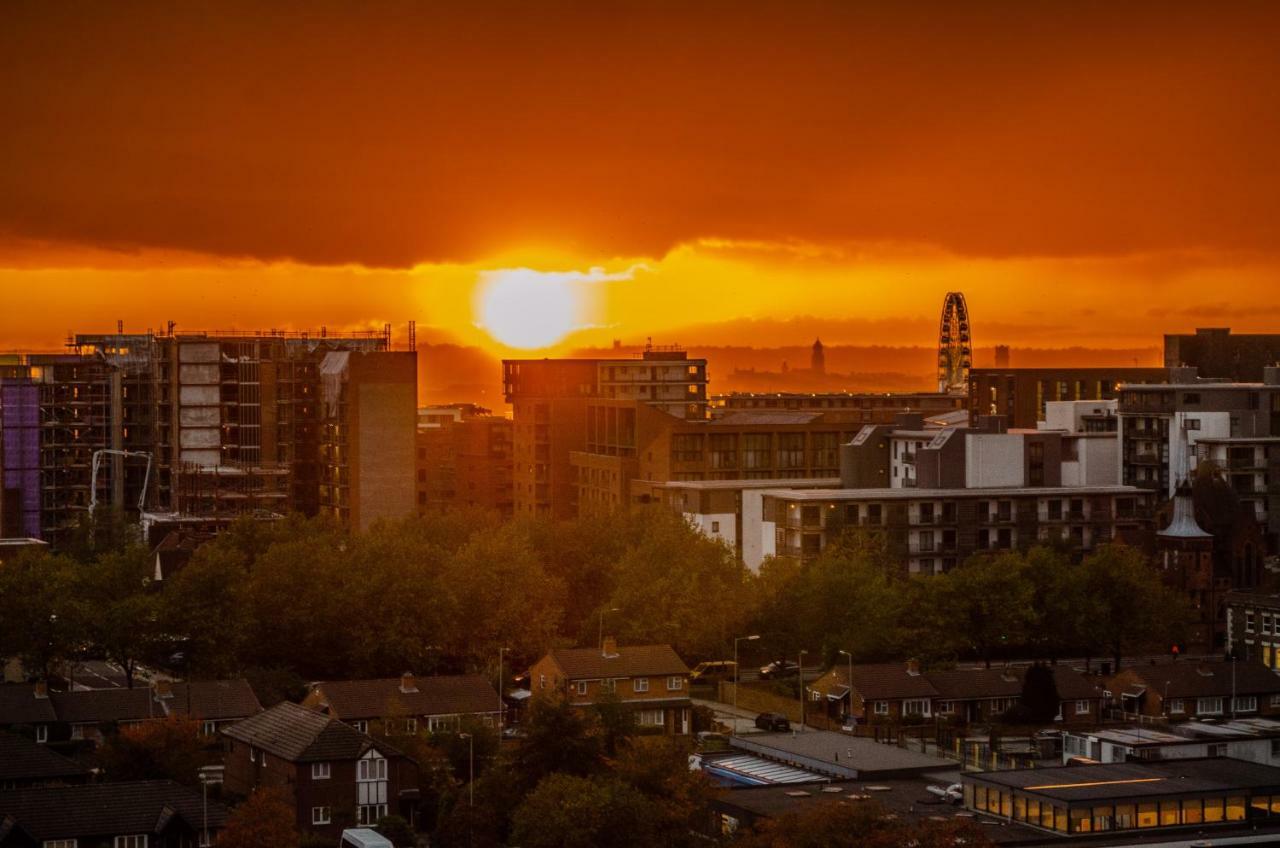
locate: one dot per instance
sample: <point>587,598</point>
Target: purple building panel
<point>20,449</point>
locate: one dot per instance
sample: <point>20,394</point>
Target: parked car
<point>709,672</point>
<point>778,668</point>
<point>773,721</point>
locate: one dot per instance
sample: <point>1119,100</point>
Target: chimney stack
<point>913,667</point>
<point>41,689</point>
<point>610,648</point>
<point>407,684</point>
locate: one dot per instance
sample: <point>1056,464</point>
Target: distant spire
<point>818,359</point>
<point>1184,525</point>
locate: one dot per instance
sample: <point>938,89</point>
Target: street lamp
<point>800,674</point>
<point>735,675</point>
<point>850,681</point>
<point>471,768</point>
<point>502,705</point>
<point>600,638</point>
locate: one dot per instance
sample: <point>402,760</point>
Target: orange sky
<point>1088,173</point>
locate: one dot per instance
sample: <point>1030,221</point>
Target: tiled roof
<point>1074,685</point>
<point>886,681</point>
<point>460,694</point>
<point>19,705</point>
<point>22,759</point>
<point>298,734</point>
<point>105,809</point>
<point>633,661</point>
<point>1186,679</point>
<point>218,700</point>
<point>977,683</point>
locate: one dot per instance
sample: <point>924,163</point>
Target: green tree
<point>676,586</point>
<point>567,811</point>
<point>1057,595</point>
<point>984,605</point>
<point>39,623</point>
<point>558,738</point>
<point>118,608</point>
<point>1126,604</point>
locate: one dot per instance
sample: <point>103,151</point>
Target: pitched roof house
<point>898,691</point>
<point>334,775</point>
<point>650,678</point>
<point>1182,689</point>
<point>27,705</point>
<point>131,814</point>
<point>213,702</point>
<point>24,763</point>
<point>413,703</point>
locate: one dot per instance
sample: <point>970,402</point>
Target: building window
<point>319,771</point>
<point>916,706</point>
<point>410,726</point>
<point>715,527</point>
<point>675,684</point>
<point>640,684</point>
<point>1209,706</point>
<point>370,813</point>
<point>608,686</point>
<point>320,815</point>
<point>1082,707</point>
<point>815,695</point>
<point>138,841</point>
<point>946,707</point>
<point>59,843</point>
<point>209,728</point>
<point>253,755</point>
<point>1275,700</point>
<point>1245,704</point>
<point>361,725</point>
<point>882,708</point>
<point>42,733</point>
<point>1176,705</point>
<point>371,768</point>
<point>1248,622</point>
<point>580,687</point>
<point>651,718</point>
<point>542,681</point>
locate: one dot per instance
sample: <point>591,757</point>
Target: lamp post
<point>800,674</point>
<point>600,638</point>
<point>849,682</point>
<point>471,768</point>
<point>502,705</point>
<point>735,675</point>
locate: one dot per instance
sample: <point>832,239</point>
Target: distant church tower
<point>818,360</point>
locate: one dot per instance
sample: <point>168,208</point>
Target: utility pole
<point>800,673</point>
<point>850,682</point>
<point>736,677</point>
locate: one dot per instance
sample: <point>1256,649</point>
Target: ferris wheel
<point>955,345</point>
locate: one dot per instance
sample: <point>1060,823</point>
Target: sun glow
<point>524,308</point>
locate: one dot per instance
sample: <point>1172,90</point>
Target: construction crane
<point>97,463</point>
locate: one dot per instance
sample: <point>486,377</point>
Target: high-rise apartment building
<point>549,400</point>
<point>187,428</point>
<point>464,459</point>
<point>1217,353</point>
<point>1020,394</point>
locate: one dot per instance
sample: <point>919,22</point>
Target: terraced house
<point>651,679</point>
<point>407,704</point>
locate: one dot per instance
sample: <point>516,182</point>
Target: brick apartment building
<point>1219,354</point>
<point>464,459</point>
<point>549,399</point>
<point>932,530</point>
<point>651,679</point>
<point>1020,394</point>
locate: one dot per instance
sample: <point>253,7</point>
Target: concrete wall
<point>994,460</point>
<point>382,405</point>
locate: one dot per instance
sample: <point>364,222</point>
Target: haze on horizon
<point>1089,174</point>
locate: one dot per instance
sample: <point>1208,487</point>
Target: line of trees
<point>305,599</point>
